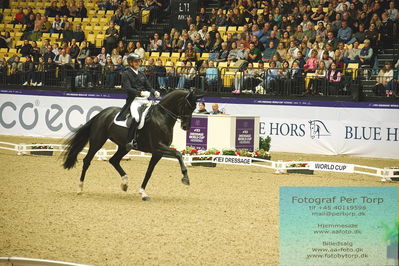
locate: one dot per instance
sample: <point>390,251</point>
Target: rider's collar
<point>135,71</point>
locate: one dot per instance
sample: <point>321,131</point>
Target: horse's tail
<point>76,143</point>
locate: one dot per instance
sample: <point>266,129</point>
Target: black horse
<point>155,137</point>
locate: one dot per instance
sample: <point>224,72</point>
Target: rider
<point>138,90</point>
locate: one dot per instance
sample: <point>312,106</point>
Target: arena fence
<point>18,261</point>
<point>279,167</point>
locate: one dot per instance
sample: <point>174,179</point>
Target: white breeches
<point>137,102</point>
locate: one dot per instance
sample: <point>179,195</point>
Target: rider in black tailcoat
<point>137,85</point>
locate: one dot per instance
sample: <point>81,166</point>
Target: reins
<point>173,115</point>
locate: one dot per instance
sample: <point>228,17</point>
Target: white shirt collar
<point>135,71</point>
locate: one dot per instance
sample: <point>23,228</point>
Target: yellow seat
<point>231,29</point>
<point>146,55</point>
<point>104,21</point>
<point>91,38</point>
<point>222,29</point>
<point>155,54</point>
<point>99,40</point>
<point>222,65</point>
<point>101,12</point>
<point>145,16</point>
<point>308,77</point>
<point>3,50</point>
<point>361,46</point>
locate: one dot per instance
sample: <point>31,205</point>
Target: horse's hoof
<point>124,187</point>
<point>185,181</point>
<point>146,198</point>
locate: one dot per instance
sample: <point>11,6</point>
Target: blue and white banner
<point>301,126</point>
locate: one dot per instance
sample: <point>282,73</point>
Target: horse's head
<point>188,106</point>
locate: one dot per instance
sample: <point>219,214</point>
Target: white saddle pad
<point>123,123</point>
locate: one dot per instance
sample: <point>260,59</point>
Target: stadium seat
<point>145,16</point>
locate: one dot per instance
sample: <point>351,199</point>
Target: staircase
<point>368,78</point>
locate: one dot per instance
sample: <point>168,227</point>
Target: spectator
<point>268,52</point>
<point>203,31</point>
<point>242,53</point>
<point>344,33</point>
<point>6,40</point>
<point>74,50</point>
<point>28,70</point>
<point>299,33</point>
<point>48,54</point>
<point>334,80</point>
<point>78,34</point>
<point>351,54</point>
<point>67,33</point>
<point>155,43</point>
<point>220,18</point>
<point>318,15</point>
<point>119,69</point>
<point>187,74</point>
<point>198,44</point>
<point>109,73</point>
<point>183,43</point>
<point>372,35</point>
<point>35,52</point>
<point>326,59</point>
<point>121,48</point>
<point>130,48</point>
<point>190,54</point>
<point>19,17</point>
<point>160,71</point>
<point>223,53</point>
<point>192,31</point>
<point>83,54</point>
<point>312,62</point>
<point>393,13</point>
<point>55,50</point>
<point>201,108</point>
<point>366,54</point>
<point>29,26</point>
<point>233,53</point>
<point>95,71</point>
<point>281,51</point>
<point>81,11</point>
<point>57,25</point>
<point>384,79</point>
<point>166,43</point>
<point>254,54</point>
<point>111,37</point>
<point>46,25</point>
<point>82,77</point>
<point>211,76</point>
<point>45,45</point>
<point>115,56</point>
<point>139,50</point>
<point>319,80</point>
<point>39,74</point>
<point>52,10</point>
<point>25,49</point>
<point>215,109</point>
<point>73,9</point>
<point>64,10</point>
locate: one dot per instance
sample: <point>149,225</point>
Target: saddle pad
<point>123,123</point>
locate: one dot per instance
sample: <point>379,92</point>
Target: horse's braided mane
<point>173,96</point>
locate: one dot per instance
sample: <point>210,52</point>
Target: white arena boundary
<point>280,167</point>
<point>19,261</point>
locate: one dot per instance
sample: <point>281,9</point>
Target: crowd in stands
<point>269,46</point>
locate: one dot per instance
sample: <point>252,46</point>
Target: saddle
<point>143,111</point>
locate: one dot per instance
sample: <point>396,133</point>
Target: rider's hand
<point>145,94</point>
<point>157,94</point>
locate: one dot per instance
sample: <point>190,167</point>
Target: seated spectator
<point>254,54</point>
<point>366,54</point>
<point>52,10</point>
<point>78,34</point>
<point>49,54</point>
<point>95,73</point>
<point>29,22</point>
<point>35,52</point>
<point>139,50</point>
<point>269,52</point>
<point>223,53</point>
<point>334,80</point>
<point>187,74</point>
<point>115,56</point>
<point>242,53</point>
<point>45,26</point>
<point>281,51</point>
<point>192,31</point>
<point>155,44</point>
<point>245,79</point>
<point>81,11</point>
<point>344,33</point>
<point>359,35</point>
<point>294,77</point>
<point>327,59</point>
<point>300,59</point>
<point>331,40</point>
<point>311,62</point>
<point>67,33</point>
<point>198,44</point>
<point>270,78</point>
<point>130,48</point>
<point>45,45</point>
<point>64,63</point>
<point>55,50</point>
<point>102,56</point>
<point>233,53</point>
<point>25,49</point>
<point>57,25</point>
<point>160,71</point>
<point>293,50</point>
<point>6,40</point>
<point>220,19</point>
<point>392,12</point>
<point>298,35</point>
<point>351,54</point>
<point>384,79</point>
<point>372,35</point>
<point>166,43</point>
<point>310,32</point>
<point>283,77</point>
<point>190,54</point>
<point>28,70</point>
<point>121,48</point>
<point>19,17</point>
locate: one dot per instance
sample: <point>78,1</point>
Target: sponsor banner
<point>232,160</point>
<point>197,136</point>
<point>302,126</point>
<point>245,133</point>
<point>48,116</point>
<point>331,167</point>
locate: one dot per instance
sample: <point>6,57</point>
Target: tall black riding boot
<point>131,137</point>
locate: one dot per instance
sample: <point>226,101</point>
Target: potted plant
<point>192,151</point>
<point>391,237</point>
<point>303,168</point>
<point>45,150</point>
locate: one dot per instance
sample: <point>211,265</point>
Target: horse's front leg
<point>174,153</point>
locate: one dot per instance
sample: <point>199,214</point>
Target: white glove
<point>157,94</point>
<point>145,94</point>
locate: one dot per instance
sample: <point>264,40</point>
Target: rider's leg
<point>132,136</point>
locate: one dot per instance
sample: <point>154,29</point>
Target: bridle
<point>173,115</point>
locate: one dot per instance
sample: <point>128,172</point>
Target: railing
<point>222,80</point>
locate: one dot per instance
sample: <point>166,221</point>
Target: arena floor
<point>228,216</point>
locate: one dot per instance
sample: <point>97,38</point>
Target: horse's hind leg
<point>115,161</point>
<point>95,144</point>
<point>154,160</point>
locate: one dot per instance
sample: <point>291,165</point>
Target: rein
<point>173,115</point>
